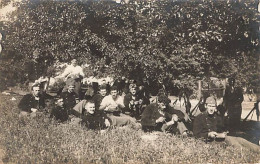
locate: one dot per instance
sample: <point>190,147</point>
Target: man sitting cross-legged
<point>161,117</point>
<point>33,102</point>
<point>209,125</point>
<point>113,105</point>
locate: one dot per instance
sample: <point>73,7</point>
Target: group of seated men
<point>104,111</point>
<point>109,110</point>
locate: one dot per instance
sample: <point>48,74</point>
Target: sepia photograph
<point>129,81</point>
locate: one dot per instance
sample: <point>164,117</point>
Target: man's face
<point>74,63</point>
<point>133,91</point>
<point>90,108</point>
<point>211,108</point>
<point>60,102</point>
<point>114,94</point>
<point>103,92</point>
<point>71,88</point>
<point>161,105</point>
<point>36,91</point>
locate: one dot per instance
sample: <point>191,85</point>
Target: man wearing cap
<point>161,117</point>
<point>208,124</point>
<point>113,106</point>
<point>70,98</point>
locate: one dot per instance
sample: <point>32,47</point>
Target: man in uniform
<point>208,124</point>
<point>161,117</point>
<point>33,102</point>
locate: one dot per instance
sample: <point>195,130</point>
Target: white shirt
<point>71,70</point>
<point>109,101</point>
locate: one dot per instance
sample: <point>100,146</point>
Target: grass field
<point>40,140</point>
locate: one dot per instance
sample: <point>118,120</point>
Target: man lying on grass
<point>209,126</point>
<point>162,117</point>
<point>92,118</point>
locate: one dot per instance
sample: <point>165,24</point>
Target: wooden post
<point>199,89</point>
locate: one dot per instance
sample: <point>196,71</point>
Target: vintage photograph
<point>129,81</point>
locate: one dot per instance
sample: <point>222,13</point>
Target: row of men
<point>158,116</point>
<point>104,111</point>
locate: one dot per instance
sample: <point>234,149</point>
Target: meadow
<point>42,140</point>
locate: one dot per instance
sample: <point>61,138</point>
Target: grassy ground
<point>41,140</point>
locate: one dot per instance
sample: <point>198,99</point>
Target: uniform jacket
<point>95,121</point>
<point>28,101</point>
<point>203,124</point>
<point>97,98</point>
<point>60,113</point>
<point>69,99</point>
<point>151,114</point>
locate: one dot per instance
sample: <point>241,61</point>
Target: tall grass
<point>41,140</point>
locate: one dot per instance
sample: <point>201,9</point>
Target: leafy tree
<point>174,43</point>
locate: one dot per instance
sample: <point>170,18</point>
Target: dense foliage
<point>40,140</point>
<point>170,42</point>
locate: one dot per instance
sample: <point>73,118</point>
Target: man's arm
<point>66,72</point>
<point>24,104</point>
<point>103,104</point>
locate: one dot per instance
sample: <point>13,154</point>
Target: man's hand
<point>170,122</point>
<point>161,119</point>
<point>175,117</point>
<point>131,102</point>
<point>107,123</point>
<point>221,135</point>
<point>111,107</point>
<point>34,109</point>
<point>212,134</point>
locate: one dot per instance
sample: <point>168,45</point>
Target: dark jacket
<point>172,111</point>
<point>59,113</point>
<point>234,98</point>
<point>69,99</point>
<point>28,101</point>
<point>136,109</point>
<point>203,124</point>
<point>151,114</point>
<point>95,121</point>
<point>97,98</point>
